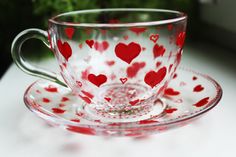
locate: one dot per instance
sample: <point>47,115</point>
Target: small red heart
<point>64,49</point>
<point>158,50</point>
<point>69,31</point>
<point>101,46</point>
<point>80,45</point>
<point>97,80</point>
<point>134,102</point>
<point>86,99</point>
<point>110,63</point>
<point>90,43</point>
<point>107,99</point>
<point>152,78</point>
<point>143,48</point>
<point>46,100</point>
<point>158,64</point>
<point>180,39</point>
<point>202,102</point>
<point>127,52</point>
<point>170,27</point>
<point>63,99</point>
<point>79,83</point>
<point>123,80</point>
<point>194,78</point>
<point>58,110</point>
<point>170,110</point>
<point>126,37</point>
<point>171,91</point>
<point>154,37</point>
<point>138,30</point>
<point>51,88</point>
<point>89,95</point>
<point>198,88</point>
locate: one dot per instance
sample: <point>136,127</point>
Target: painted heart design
<point>134,102</point>
<point>171,91</point>
<point>90,43</point>
<point>170,110</point>
<point>180,39</point>
<point>138,30</point>
<point>134,68</point>
<point>64,49</point>
<point>123,80</point>
<point>97,80</point>
<point>198,88</point>
<point>153,78</point>
<point>69,31</point>
<point>107,99</point>
<point>51,88</point>
<point>101,46</point>
<point>154,37</point>
<point>158,50</point>
<point>202,102</point>
<point>127,52</point>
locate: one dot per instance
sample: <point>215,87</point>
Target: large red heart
<point>152,78</point>
<point>101,46</point>
<point>97,80</point>
<point>158,50</point>
<point>64,49</point>
<point>69,32</point>
<point>127,52</point>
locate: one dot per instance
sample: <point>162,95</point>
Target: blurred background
<point>209,20</point>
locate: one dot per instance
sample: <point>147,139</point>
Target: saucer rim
<point>59,120</point>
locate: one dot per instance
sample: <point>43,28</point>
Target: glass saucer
<point>189,95</point>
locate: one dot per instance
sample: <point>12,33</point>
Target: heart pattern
<point>101,46</point>
<point>158,50</point>
<point>123,80</point>
<point>127,52</point>
<point>153,78</point>
<point>64,49</point>
<point>69,31</point>
<point>89,43</point>
<point>97,80</point>
<point>198,88</point>
<point>154,37</point>
<point>180,39</point>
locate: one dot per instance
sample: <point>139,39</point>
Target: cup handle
<point>23,64</point>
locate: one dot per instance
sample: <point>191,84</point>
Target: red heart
<point>180,39</point>
<point>202,102</point>
<point>110,63</point>
<point>50,88</point>
<point>107,99</point>
<point>198,88</point>
<point>123,80</point>
<point>158,50</point>
<point>101,46</point>
<point>125,37</point>
<point>58,110</point>
<point>69,32</point>
<point>127,52</point>
<point>171,91</point>
<point>158,64</point>
<point>154,37</point>
<point>134,102</point>
<point>90,43</point>
<point>97,80</point>
<point>138,30</point>
<point>63,99</point>
<point>64,49</point>
<point>80,45</point>
<point>133,70</point>
<point>170,110</point>
<point>152,78</point>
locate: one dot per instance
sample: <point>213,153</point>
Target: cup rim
<point>182,16</point>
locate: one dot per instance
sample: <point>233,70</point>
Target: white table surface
<point>22,134</point>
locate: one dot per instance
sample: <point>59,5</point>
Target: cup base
<point>127,115</point>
